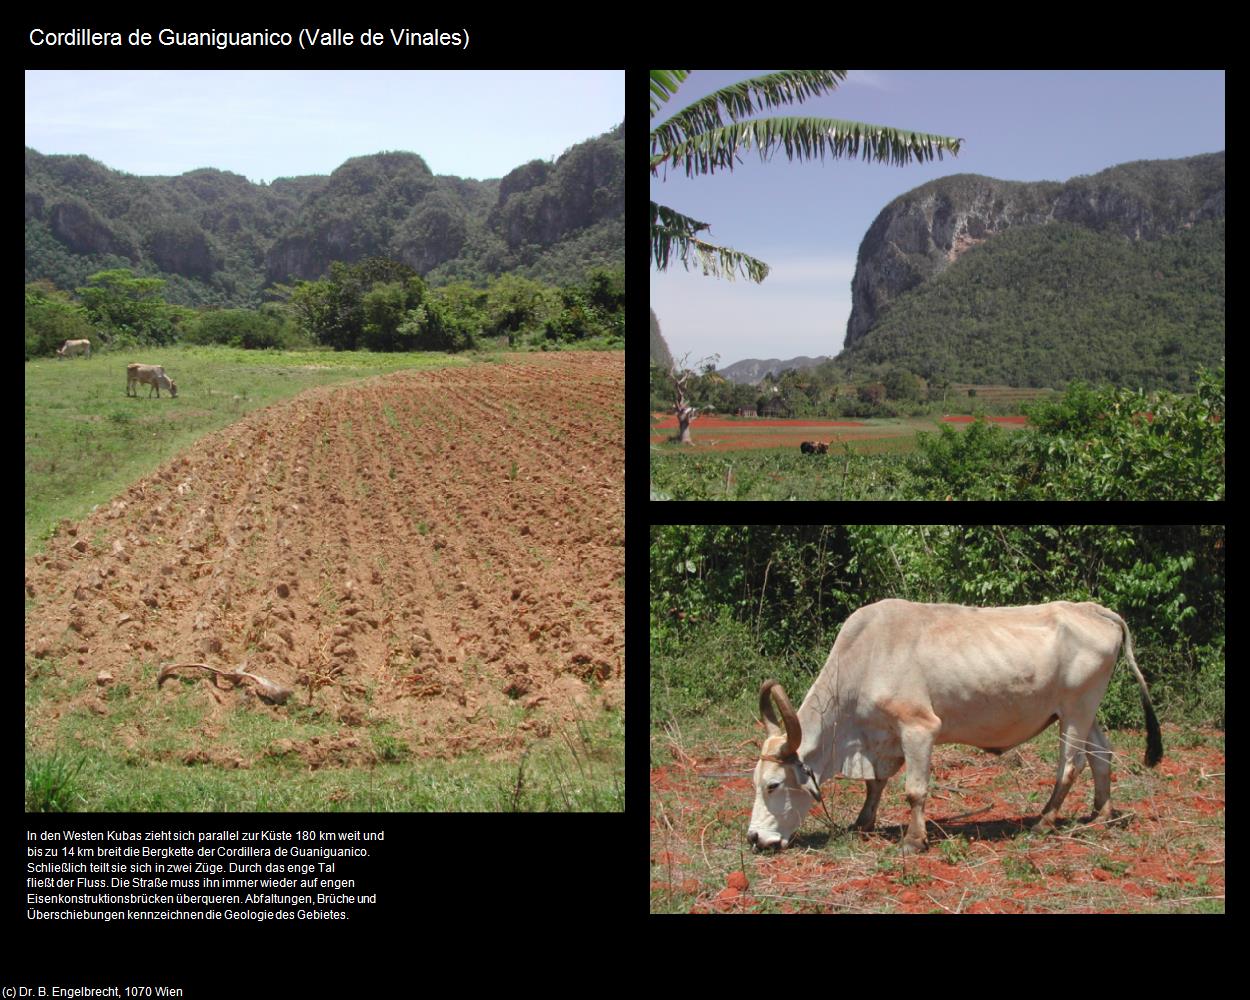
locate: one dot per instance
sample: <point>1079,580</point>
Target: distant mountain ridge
<point>219,239</point>
<point>751,370</point>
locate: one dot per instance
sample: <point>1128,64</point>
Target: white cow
<point>74,347</point>
<point>152,376</point>
<point>902,677</point>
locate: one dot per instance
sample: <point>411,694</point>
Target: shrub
<point>974,464</point>
<point>1119,444</point>
<point>236,328</point>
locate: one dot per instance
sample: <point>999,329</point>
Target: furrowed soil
<point>440,550</point>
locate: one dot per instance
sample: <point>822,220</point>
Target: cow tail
<point>1154,738</point>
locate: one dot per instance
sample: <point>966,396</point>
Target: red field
<point>670,423</point>
<point>733,434</point>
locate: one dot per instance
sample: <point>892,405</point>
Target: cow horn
<point>794,732</point>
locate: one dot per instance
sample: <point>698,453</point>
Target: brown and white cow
<point>903,677</point>
<point>72,347</point>
<point>152,376</point>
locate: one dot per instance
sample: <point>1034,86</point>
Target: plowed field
<point>441,549</point>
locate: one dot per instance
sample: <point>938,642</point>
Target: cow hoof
<point>914,846</point>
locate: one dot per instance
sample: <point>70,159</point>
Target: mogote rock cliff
<point>923,232</point>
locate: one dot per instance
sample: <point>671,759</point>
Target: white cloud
<point>869,78</point>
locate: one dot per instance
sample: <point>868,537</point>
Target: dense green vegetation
<point>726,599</point>
<point>1089,444</point>
<point>219,240</point>
<point>1044,305</point>
<point>824,391</point>
<point>1073,258</point>
<point>377,305</point>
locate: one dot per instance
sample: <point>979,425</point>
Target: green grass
<point>52,781</point>
<point>782,474</point>
<point>142,756</point>
<point>79,407</point>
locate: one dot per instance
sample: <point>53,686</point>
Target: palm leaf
<point>663,83</point>
<point>742,99</point>
<point>802,138</point>
<point>673,236</point>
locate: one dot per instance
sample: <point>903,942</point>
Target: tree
<point>385,307</point>
<point>127,305</point>
<point>680,375</point>
<point>698,139</point>
<point>462,305</point>
<point>333,309</point>
<point>514,306</point>
<point>901,384</point>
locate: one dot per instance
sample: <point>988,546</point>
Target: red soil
<point>670,423</point>
<point>1166,845</point>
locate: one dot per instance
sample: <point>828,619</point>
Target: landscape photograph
<point>938,285</point>
<point>324,441</point>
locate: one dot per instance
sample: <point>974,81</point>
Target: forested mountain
<point>1046,305</point>
<point>219,239</point>
<point>1116,277</point>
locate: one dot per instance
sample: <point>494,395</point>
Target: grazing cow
<point>807,447</point>
<point>74,347</point>
<point>152,376</point>
<point>902,677</point>
<point>822,448</point>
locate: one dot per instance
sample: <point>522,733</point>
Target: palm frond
<point>698,138</point>
<point>804,139</point>
<point>663,83</point>
<point>662,215</point>
<point>742,99</point>
<point>673,236</point>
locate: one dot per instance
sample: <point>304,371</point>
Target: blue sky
<point>266,124</point>
<point>806,219</point>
